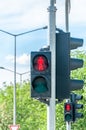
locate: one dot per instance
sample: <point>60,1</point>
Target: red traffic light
<point>41,74</point>
<point>40,63</point>
<point>68,107</point>
<point>68,111</point>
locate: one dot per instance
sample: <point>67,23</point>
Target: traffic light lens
<point>40,85</point>
<point>40,63</point>
<point>68,117</point>
<point>67,107</point>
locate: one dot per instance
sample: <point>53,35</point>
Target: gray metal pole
<point>68,125</point>
<point>67,4</point>
<point>20,80</point>
<point>66,16</point>
<point>67,10</point>
<point>14,91</point>
<point>52,43</point>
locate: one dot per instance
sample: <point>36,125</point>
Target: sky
<point>18,16</point>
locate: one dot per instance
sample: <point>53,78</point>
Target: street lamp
<point>15,35</point>
<point>20,74</point>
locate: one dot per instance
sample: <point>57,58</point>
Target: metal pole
<point>52,43</point>
<point>14,91</point>
<point>67,8</point>
<point>68,125</point>
<point>66,16</point>
<point>20,80</point>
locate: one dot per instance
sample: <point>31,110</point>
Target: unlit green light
<point>40,85</point>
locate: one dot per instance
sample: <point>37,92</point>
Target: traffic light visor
<point>40,63</point>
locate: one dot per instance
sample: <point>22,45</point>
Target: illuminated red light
<point>40,63</point>
<point>67,107</point>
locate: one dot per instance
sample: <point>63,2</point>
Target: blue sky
<point>17,16</point>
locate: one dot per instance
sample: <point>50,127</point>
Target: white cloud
<point>22,59</point>
<point>78,11</point>
<point>10,58</point>
<point>23,14</point>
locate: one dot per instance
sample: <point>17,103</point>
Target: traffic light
<point>74,99</point>
<point>41,74</point>
<point>64,65</point>
<point>68,111</point>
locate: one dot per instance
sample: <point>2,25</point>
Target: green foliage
<point>6,107</point>
<point>32,114</point>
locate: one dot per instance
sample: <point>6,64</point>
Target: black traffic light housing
<point>74,99</point>
<point>64,65</point>
<point>41,74</point>
<point>68,111</point>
